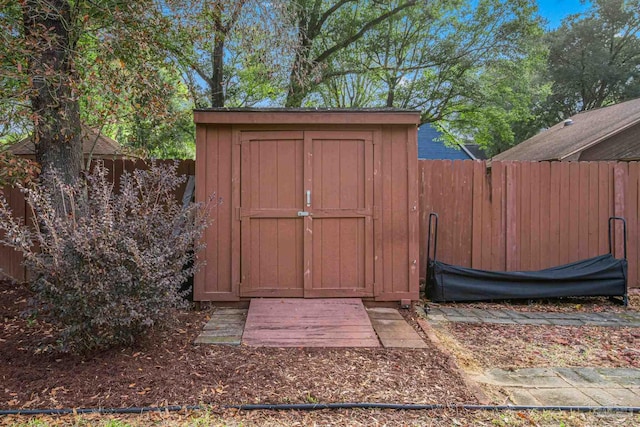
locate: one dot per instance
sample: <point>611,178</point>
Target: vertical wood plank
<point>479,171</point>
<point>583,212</point>
<point>410,135</point>
<point>308,225</point>
<point>377,214</point>
<point>574,211</point>
<point>497,222</point>
<point>467,217</point>
<point>387,207</point>
<point>512,212</point>
<point>228,180</point>
<point>564,216</point>
<point>605,177</point>
<point>545,214</point>
<point>554,212</point>
<point>594,219</point>
<point>525,217</point>
<point>620,185</point>
<point>423,212</point>
<point>535,204</point>
<point>456,203</point>
<point>631,214</point>
<point>487,219</point>
<point>199,279</point>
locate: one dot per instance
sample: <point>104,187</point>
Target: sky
<point>556,10</point>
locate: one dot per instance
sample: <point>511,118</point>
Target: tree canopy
<point>482,71</point>
<point>593,59</point>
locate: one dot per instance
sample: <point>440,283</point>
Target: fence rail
<point>529,215</point>
<point>11,261</point>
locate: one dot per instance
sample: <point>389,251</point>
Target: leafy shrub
<point>106,265</point>
<point>16,170</point>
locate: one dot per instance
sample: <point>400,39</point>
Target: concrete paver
<point>565,386</point>
<point>561,397</point>
<point>393,331</point>
<point>580,386</point>
<point>626,319</point>
<point>225,327</point>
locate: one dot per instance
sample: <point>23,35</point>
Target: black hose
<point>319,406</point>
<point>67,411</point>
<point>409,406</point>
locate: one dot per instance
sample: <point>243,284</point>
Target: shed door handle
<point>308,197</point>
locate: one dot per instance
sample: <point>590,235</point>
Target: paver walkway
<point>554,386</point>
<point>567,386</point>
<point>627,318</point>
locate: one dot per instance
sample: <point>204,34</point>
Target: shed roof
<point>576,134</point>
<point>104,146</point>
<point>306,116</point>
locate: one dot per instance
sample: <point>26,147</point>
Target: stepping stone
<point>393,330</point>
<point>225,327</point>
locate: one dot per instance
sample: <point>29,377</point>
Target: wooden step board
<point>296,322</point>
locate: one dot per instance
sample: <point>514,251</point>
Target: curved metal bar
<point>433,225</point>
<point>612,219</point>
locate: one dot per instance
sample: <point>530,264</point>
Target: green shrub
<point>107,265</point>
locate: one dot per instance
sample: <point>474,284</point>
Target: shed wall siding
<point>395,210</point>
<point>213,168</point>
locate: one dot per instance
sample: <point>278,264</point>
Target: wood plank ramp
<point>295,322</point>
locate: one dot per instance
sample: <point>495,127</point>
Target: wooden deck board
<point>295,322</point>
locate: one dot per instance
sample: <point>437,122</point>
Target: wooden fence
<point>512,216</point>
<point>529,215</point>
<point>11,261</point>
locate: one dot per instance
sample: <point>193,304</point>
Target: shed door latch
<point>303,213</point>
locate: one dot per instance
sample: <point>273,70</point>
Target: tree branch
<point>369,25</point>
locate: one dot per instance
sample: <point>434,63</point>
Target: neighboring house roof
<point>476,151</point>
<point>609,133</point>
<point>430,147</point>
<point>102,145</point>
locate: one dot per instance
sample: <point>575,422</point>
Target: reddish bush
<point>107,265</point>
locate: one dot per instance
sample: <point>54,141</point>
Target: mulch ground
<point>166,368</point>
<point>526,346</point>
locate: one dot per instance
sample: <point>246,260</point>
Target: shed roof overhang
<point>263,116</point>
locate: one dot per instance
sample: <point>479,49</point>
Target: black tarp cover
<point>603,275</point>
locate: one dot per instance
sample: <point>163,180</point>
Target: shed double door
<point>306,214</point>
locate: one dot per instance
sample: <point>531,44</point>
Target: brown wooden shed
<point>314,203</point>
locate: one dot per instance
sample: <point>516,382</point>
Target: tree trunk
<point>54,101</point>
<point>217,59</point>
<point>297,89</point>
<point>298,78</point>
